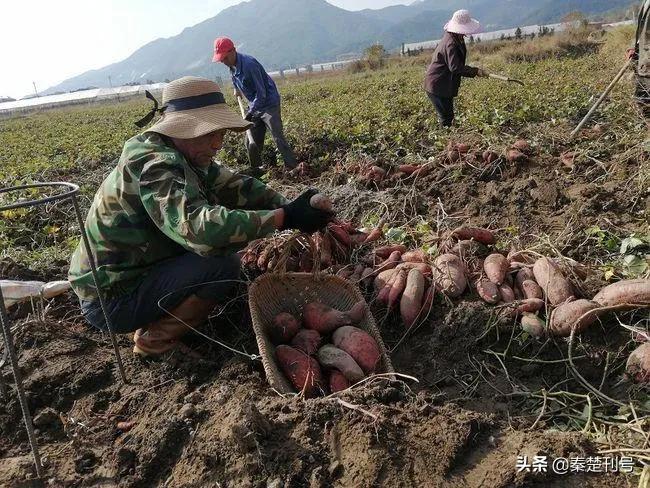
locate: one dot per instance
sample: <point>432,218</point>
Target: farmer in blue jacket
<point>251,80</point>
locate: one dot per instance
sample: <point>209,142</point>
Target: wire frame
<point>70,192</point>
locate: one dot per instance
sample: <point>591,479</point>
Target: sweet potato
<point>423,268</point>
<point>557,289</point>
<point>367,276</point>
<point>283,328</point>
<point>360,345</point>
<point>572,315</point>
<point>264,256</point>
<point>306,263</point>
<point>515,156</point>
<point>453,155</point>
<point>307,341</point>
<point>530,289</point>
<point>417,256</point>
<point>507,293</point>
<point>302,370</point>
<point>462,148</point>
<point>357,238</point>
<point>338,381</point>
<point>529,305</point>
<point>330,356</point>
<point>638,364</point>
<point>411,302</point>
<point>340,234</point>
<point>324,319</point>
<point>484,236</point>
<point>376,233</point>
<point>522,145</point>
<point>449,275</point>
<point>626,291</point>
<point>323,248</point>
<point>490,156</point>
<point>496,266</point>
<point>392,261</point>
<point>399,284</point>
<point>321,202</point>
<point>384,278</point>
<point>356,275</point>
<point>522,275</point>
<point>384,252</point>
<point>532,324</point>
<point>487,290</point>
<point>568,158</point>
<point>408,169</point>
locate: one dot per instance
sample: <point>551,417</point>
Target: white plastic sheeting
<point>8,109</point>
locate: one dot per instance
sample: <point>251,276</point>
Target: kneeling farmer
<point>168,220</point>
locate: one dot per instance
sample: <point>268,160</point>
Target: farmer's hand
<point>482,73</point>
<point>253,117</point>
<point>630,53</point>
<point>299,214</point>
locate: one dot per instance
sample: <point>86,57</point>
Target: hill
<point>284,33</point>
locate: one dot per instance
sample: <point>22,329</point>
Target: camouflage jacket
<point>154,205</point>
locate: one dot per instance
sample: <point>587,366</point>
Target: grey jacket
<point>448,66</point>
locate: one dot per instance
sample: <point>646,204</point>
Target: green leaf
<point>395,234</point>
<point>635,264</point>
<point>630,243</point>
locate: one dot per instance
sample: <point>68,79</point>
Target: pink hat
<point>222,46</point>
<point>462,23</point>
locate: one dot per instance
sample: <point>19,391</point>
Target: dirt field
<point>214,421</point>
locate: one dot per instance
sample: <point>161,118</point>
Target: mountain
<point>285,33</point>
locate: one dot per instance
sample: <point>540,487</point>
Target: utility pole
<point>35,91</point>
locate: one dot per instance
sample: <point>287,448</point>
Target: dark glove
<point>299,214</point>
<point>252,117</point>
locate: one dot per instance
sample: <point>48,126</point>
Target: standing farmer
<point>250,78</point>
<point>444,74</point>
<point>641,54</point>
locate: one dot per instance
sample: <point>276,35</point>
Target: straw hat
<point>462,23</point>
<point>193,107</point>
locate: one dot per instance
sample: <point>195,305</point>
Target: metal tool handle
<point>243,114</point>
<point>602,97</point>
<point>499,77</point>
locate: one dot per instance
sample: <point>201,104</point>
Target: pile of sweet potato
<point>324,352</point>
<point>518,152</point>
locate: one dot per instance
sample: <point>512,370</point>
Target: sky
<point>46,42</point>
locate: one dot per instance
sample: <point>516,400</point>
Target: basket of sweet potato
<point>315,333</point>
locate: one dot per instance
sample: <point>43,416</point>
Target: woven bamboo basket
<point>271,294</point>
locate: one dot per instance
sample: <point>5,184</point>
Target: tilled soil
<point>214,421</point>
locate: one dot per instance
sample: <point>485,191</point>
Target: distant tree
<point>471,39</point>
<point>518,33</point>
<point>532,35</point>
<point>503,37</point>
<point>282,74</point>
<point>309,68</point>
<point>374,56</point>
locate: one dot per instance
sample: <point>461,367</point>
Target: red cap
<point>222,46</point>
